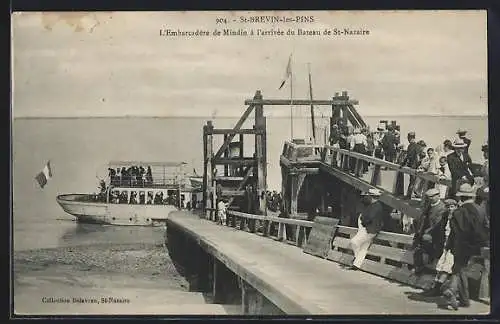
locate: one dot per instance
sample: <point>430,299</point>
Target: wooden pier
<point>318,215</point>
<point>268,277</point>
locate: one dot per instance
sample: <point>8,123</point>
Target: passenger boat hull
<point>87,211</point>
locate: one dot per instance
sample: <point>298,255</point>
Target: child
<point>221,206</point>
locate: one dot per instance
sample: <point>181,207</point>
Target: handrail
<point>289,221</point>
<point>382,235</point>
<point>267,221</point>
<point>390,165</point>
<point>387,246</point>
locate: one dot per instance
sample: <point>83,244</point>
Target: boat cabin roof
<point>137,189</point>
<point>145,164</point>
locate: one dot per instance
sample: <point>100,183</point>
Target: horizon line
<point>236,116</point>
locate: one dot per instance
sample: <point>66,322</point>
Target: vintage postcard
<point>250,162</point>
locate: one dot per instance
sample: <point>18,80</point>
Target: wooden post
<point>244,301</point>
<point>322,186</point>
<point>233,221</point>
<point>260,147</point>
<point>209,167</point>
<point>241,169</point>
<point>260,156</point>
<point>281,231</point>
<point>214,281</point>
<point>226,155</point>
<point>484,288</point>
<point>375,180</point>
<point>297,181</point>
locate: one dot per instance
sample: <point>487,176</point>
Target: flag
<point>288,72</point>
<point>44,175</point>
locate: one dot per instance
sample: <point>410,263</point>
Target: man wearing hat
<point>461,135</point>
<point>486,165</point>
<point>429,238</point>
<point>389,144</point>
<point>411,160</point>
<point>445,262</point>
<point>370,222</point>
<point>358,145</point>
<point>334,134</point>
<point>459,163</point>
<point>483,192</point>
<point>469,232</point>
<point>335,141</point>
<point>377,140</point>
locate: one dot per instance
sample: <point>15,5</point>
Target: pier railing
<point>344,159</point>
<point>270,226</point>
<point>389,256</point>
<point>381,173</point>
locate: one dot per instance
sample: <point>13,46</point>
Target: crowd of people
<point>133,176</point>
<point>274,200</point>
<point>455,223</point>
<point>143,198</point>
<point>450,160</point>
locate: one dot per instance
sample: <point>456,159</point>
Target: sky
<point>117,64</point>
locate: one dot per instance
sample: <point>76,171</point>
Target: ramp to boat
<point>299,283</point>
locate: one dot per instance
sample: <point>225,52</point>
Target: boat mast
<point>312,106</point>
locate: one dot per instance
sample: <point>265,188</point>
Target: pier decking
<point>299,283</point>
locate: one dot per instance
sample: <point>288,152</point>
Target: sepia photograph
<point>228,163</point>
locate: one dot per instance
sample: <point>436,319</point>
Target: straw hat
<point>450,202</point>
<point>461,131</point>
<point>466,190</point>
<point>372,192</point>
<point>381,127</point>
<point>432,192</point>
<point>459,143</point>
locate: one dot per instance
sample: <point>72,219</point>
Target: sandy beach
<point>101,279</point>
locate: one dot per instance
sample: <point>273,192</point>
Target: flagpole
<point>312,107</point>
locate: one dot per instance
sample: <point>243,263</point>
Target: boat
<point>134,200</point>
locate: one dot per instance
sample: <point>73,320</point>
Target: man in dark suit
<point>370,222</point>
<point>461,134</point>
<point>469,232</point>
<point>411,160</point>
<point>389,144</point>
<point>459,163</point>
<point>429,238</point>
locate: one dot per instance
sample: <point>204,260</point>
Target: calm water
<point>80,148</point>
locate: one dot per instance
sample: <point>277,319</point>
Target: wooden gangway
<point>313,159</point>
<point>300,283</point>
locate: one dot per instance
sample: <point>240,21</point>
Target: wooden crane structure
<point>244,177</point>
